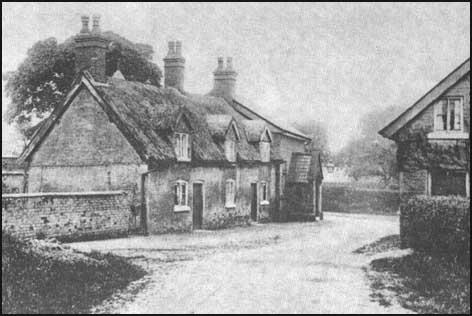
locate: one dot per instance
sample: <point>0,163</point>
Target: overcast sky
<point>309,61</point>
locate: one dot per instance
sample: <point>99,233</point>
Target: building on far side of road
<point>433,138</point>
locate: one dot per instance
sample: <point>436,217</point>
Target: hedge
<point>348,199</point>
<point>437,225</point>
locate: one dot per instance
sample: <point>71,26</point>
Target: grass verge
<point>45,277</point>
<point>419,281</point>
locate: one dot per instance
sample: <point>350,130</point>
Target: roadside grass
<point>44,277</point>
<point>418,281</point>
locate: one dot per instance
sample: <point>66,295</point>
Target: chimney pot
<point>220,64</point>
<point>85,24</point>
<point>224,79</point>
<point>178,48</point>
<point>229,63</point>
<point>96,23</point>
<point>171,51</point>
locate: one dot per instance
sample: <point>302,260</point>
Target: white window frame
<point>264,149</point>
<point>438,108</point>
<point>182,201</point>
<point>264,193</point>
<point>230,150</point>
<point>230,193</point>
<point>182,146</point>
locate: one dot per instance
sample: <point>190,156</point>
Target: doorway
<point>197,205</point>
<point>254,201</point>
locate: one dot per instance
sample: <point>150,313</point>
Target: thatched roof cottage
<point>186,160</point>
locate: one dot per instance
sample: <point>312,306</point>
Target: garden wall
<point>66,216</point>
<point>439,224</point>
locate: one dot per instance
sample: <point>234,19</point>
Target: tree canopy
<point>42,80</point>
<point>371,155</point>
<point>319,136</point>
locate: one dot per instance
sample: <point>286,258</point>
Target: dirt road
<point>270,268</point>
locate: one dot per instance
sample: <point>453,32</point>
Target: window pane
<point>176,194</point>
<point>184,194</point>
<point>452,115</point>
<point>458,112</point>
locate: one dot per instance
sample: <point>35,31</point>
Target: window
<point>230,193</point>
<point>182,147</point>
<point>264,193</point>
<point>264,148</point>
<point>230,150</point>
<point>181,196</point>
<point>448,115</point>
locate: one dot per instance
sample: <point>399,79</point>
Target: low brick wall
<point>66,216</point>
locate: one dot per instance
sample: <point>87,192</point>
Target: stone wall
<point>66,216</point>
<point>160,196</point>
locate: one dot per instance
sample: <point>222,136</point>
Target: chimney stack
<point>90,49</point>
<point>96,24</point>
<point>174,67</point>
<point>224,79</point>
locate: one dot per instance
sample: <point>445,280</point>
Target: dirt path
<point>271,268</point>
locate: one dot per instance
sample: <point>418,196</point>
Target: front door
<point>197,205</point>
<point>254,201</point>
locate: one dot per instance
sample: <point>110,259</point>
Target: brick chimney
<point>90,49</point>
<point>174,66</point>
<point>225,79</point>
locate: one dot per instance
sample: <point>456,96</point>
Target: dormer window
<point>264,148</point>
<point>448,114</point>
<point>230,150</point>
<point>182,147</point>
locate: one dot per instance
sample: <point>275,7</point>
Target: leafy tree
<point>371,154</point>
<point>43,79</point>
<point>318,134</point>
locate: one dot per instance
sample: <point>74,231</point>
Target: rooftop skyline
<point>327,62</point>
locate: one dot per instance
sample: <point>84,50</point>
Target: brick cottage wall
<point>66,216</point>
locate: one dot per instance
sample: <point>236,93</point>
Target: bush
<point>348,199</point>
<point>45,277</point>
<point>438,225</point>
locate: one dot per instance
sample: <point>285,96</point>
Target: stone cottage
<point>433,138</point>
<point>186,160</point>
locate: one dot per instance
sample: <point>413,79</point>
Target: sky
<point>296,62</point>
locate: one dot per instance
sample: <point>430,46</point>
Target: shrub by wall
<point>438,225</point>
<point>349,199</point>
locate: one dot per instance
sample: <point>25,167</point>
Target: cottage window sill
<point>183,159</point>
<point>448,135</point>
<point>230,206</point>
<point>181,208</point>
<point>265,203</point>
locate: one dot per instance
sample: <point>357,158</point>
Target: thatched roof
<point>305,167</point>
<point>147,115</point>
